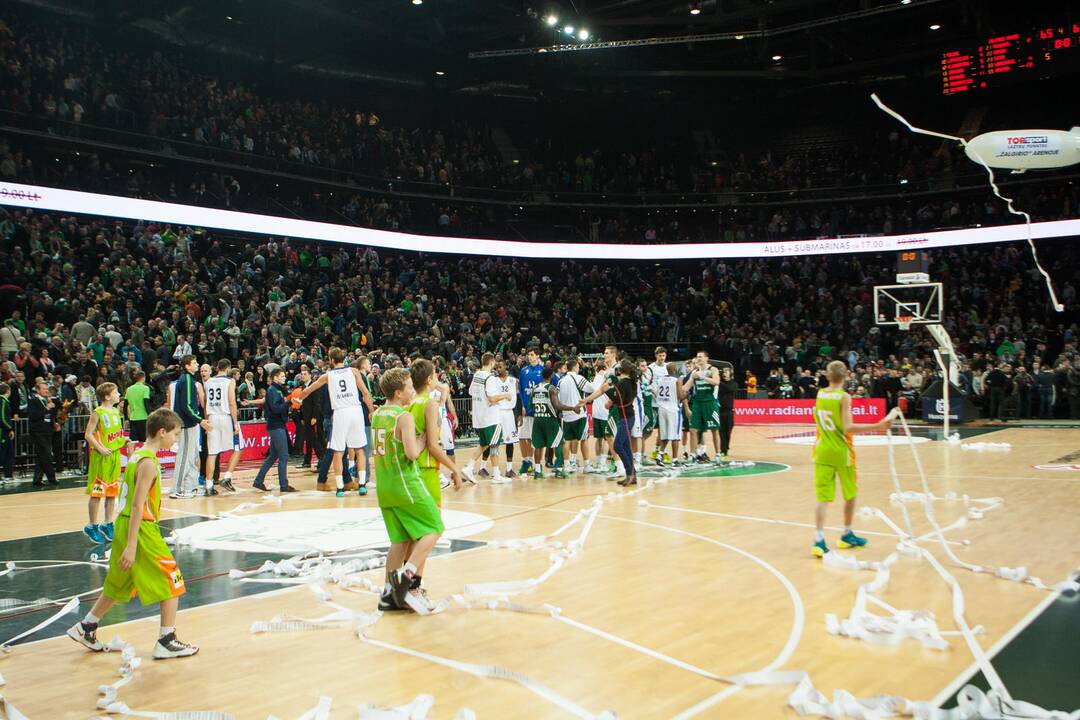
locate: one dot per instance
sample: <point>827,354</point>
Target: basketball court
<point>643,606</point>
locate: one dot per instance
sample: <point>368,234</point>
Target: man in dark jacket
<point>276,412</point>
<point>310,423</point>
<point>40,409</point>
<point>725,396</point>
<point>997,385</point>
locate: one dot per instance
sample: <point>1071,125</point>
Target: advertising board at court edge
<point>801,411</point>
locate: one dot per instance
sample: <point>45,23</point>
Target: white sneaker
<point>418,601</point>
<point>169,647</point>
<point>86,638</point>
<point>182,495</point>
<point>498,479</point>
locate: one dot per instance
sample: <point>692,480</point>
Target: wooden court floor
<point>696,568</point>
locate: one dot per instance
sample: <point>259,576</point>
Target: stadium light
<point>417,2</point>
<point>695,8</point>
<point>583,35</point>
<point>439,72</point>
<point>935,26</point>
<point>777,58</point>
<point>552,20</point>
<point>568,29</point>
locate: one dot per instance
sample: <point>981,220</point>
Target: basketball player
<point>502,397</point>
<point>412,519</point>
<point>346,387</point>
<point>834,456</point>
<point>484,417</point>
<point>643,411</point>
<point>657,369</point>
<point>572,389</point>
<point>529,378</point>
<point>224,432</point>
<point>705,412</point>
<point>603,423</point>
<point>547,429</point>
<point>669,399</point>
<point>425,408</point>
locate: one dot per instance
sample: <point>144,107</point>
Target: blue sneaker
<point>851,540</point>
<point>94,533</point>
<point>819,549</point>
<point>362,490</point>
<point>537,474</point>
<point>526,466</point>
<point>340,493</point>
<point>106,530</point>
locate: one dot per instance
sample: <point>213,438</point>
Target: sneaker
<point>625,482</point>
<point>94,533</point>
<point>562,474</point>
<point>85,635</point>
<point>287,489</point>
<point>400,584</point>
<point>106,530</point>
<point>526,466</point>
<point>510,474</point>
<point>387,603</point>
<point>612,468</point>
<point>718,458</point>
<point>198,492</point>
<point>362,490</point>
<point>851,540</point>
<point>819,549</point>
<point>260,486</point>
<point>498,479</point>
<point>340,493</point>
<point>484,472</point>
<point>418,601</point>
<point>170,647</point>
<point>212,491</point>
<point>537,474</point>
<point>593,470</point>
<point>227,485</point>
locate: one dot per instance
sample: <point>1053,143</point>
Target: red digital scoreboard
<point>1002,57</point>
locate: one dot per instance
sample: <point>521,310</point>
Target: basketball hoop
<point>904,321</point>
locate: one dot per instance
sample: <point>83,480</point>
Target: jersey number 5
<point>825,419</point>
<point>380,442</point>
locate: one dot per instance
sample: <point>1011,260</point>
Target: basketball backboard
<point>909,304</point>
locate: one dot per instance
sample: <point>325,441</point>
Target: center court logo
<point>327,530</point>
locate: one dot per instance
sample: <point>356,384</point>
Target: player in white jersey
<point>572,390</point>
<point>224,433</point>
<point>501,389</point>
<point>643,412</point>
<point>346,389</point>
<point>668,396</point>
<point>484,418</point>
<point>603,424</point>
<point>657,370</point>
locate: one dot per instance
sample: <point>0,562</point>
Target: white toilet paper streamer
<point>129,663</point>
<point>418,709</point>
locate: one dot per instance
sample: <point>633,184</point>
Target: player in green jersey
<point>834,455</point>
<point>105,439</point>
<point>412,519</point>
<point>425,412</point>
<point>547,432</point>
<point>141,563</point>
<point>701,386</point>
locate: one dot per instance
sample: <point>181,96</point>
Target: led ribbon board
<point>83,203</point>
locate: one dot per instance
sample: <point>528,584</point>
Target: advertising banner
<point>749,412</point>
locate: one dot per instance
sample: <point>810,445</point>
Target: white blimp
<point>1021,150</point>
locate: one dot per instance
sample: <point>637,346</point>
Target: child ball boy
<point>141,563</point>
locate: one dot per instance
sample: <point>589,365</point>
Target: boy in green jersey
<point>412,519</point>
<point>141,563</point>
<point>547,431</point>
<point>425,412</point>
<point>834,455</point>
<point>104,436</point>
